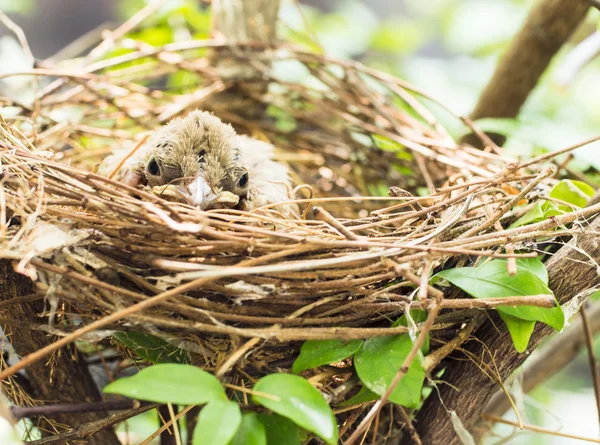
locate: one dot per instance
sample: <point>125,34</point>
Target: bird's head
<point>199,155</point>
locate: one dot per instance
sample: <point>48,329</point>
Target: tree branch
<point>483,363</point>
<point>548,26</point>
<point>553,357</point>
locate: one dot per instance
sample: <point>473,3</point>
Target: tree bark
<point>466,388</point>
<point>65,378</point>
<point>238,22</point>
<point>241,21</point>
<point>548,26</point>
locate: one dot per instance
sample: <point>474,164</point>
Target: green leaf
<point>520,331</point>
<point>418,316</point>
<point>387,144</point>
<point>316,353</point>
<point>155,36</point>
<point>300,402</point>
<point>399,36</point>
<point>539,212</point>
<point>492,280</point>
<point>280,431</point>
<point>574,192</point>
<point>533,265</point>
<point>535,214</point>
<point>362,396</point>
<point>152,348</point>
<point>218,422</point>
<point>170,383</point>
<point>378,361</point>
<point>251,431</point>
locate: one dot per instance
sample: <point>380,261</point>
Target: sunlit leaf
<point>520,331</point>
<point>492,280</point>
<point>378,361</point>
<point>217,424</point>
<point>398,36</point>
<point>387,144</point>
<point>540,211</point>
<point>170,383</point>
<point>576,193</point>
<point>295,398</point>
<point>418,316</point>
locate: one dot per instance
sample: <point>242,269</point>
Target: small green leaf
<point>170,383</point>
<point>520,330</point>
<point>280,431</point>
<point>251,431</point>
<point>492,280</point>
<point>418,316</point>
<point>362,396</point>
<point>533,265</point>
<point>300,402</point>
<point>151,348</point>
<point>155,36</point>
<point>387,144</point>
<point>316,353</point>
<point>218,422</point>
<point>539,212</point>
<point>576,193</point>
<point>378,361</point>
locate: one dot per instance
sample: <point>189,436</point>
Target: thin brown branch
<point>87,430</point>
<point>537,429</point>
<point>589,341</point>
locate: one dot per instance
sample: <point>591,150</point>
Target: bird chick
<point>209,165</point>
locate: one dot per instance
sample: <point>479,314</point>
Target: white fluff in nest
<point>203,161</point>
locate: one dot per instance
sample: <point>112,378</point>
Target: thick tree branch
<point>553,357</point>
<point>547,27</point>
<point>571,272</point>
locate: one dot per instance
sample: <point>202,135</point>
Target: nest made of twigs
<point>208,280</point>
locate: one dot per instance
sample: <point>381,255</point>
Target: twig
<point>538,429</point>
<point>323,215</point>
<point>364,424</point>
<point>554,356</point>
<point>65,408</point>
<point>87,430</point>
<point>409,426</point>
<point>589,340</point>
<point>167,424</point>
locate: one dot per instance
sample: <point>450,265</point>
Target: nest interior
<point>210,281</point>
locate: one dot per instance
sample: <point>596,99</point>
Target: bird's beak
<point>201,194</point>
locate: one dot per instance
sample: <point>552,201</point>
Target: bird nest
<point>387,197</point>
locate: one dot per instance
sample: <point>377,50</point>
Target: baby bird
<point>209,165</point>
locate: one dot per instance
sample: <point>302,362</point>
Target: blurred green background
<point>446,47</point>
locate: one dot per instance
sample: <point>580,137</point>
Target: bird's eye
<point>243,181</point>
<point>153,167</point>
